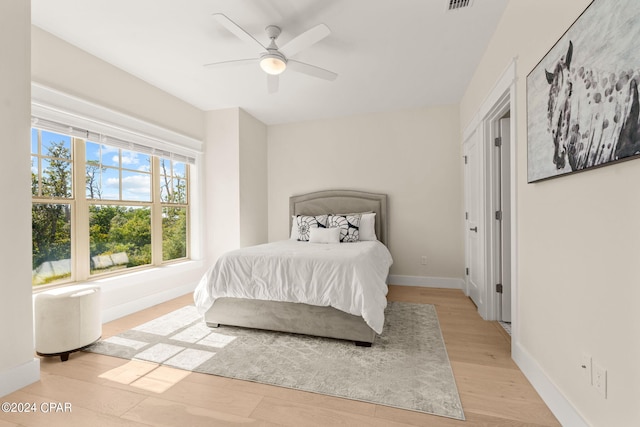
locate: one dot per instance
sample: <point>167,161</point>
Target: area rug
<point>407,367</point>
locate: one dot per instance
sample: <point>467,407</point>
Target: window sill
<point>139,275</point>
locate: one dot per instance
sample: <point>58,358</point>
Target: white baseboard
<point>552,396</point>
<point>426,282</point>
<point>136,305</point>
<point>20,376</point>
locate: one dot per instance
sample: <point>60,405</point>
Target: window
<point>119,204</point>
<point>173,193</point>
<point>53,204</point>
<point>103,209</point>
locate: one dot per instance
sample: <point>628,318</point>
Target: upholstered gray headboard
<point>342,202</point>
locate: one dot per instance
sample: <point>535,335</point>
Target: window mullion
<point>156,213</point>
<point>81,223</point>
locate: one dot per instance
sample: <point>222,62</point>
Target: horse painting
<point>592,116</point>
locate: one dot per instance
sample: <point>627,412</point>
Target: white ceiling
<point>389,54</point>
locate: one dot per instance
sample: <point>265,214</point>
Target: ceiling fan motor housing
<point>273,31</point>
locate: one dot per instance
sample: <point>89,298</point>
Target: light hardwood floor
<point>107,391</point>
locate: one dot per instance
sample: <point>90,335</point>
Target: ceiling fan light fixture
<point>273,64</point>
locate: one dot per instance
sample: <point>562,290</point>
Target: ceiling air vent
<point>459,4</point>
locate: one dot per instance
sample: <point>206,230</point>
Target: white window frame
<point>119,130</point>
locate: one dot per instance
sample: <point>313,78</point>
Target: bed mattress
<point>350,277</point>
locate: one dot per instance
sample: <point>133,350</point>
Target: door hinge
<point>467,271</point>
<point>466,215</point>
<point>499,215</point>
<point>499,288</point>
<point>498,142</point>
<point>465,159</point>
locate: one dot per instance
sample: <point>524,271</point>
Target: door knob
<point>474,229</point>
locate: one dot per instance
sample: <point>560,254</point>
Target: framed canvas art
<point>583,109</point>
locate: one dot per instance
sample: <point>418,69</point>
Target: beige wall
<point>253,180</point>
<point>17,364</point>
<point>236,181</point>
<point>578,240</point>
<point>64,67</point>
<point>411,155</point>
<point>222,182</point>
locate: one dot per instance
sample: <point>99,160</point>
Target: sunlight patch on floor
<point>161,379</point>
<point>146,376</point>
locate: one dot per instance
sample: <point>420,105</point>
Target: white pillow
<point>294,228</point>
<point>368,226</point>
<point>324,235</point>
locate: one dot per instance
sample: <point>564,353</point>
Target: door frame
<point>491,125</point>
<point>501,99</point>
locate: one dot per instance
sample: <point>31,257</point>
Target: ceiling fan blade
<point>305,40</point>
<point>273,82</point>
<point>239,32</point>
<point>311,70</point>
<point>232,62</point>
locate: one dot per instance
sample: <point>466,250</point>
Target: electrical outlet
<point>423,260</point>
<point>600,379</point>
<point>585,366</point>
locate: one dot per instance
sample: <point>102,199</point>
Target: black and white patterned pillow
<point>349,226</point>
<point>305,223</point>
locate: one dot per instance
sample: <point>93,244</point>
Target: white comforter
<point>348,276</point>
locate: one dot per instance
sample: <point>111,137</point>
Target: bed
<point>347,281</point>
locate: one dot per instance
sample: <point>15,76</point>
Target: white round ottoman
<point>66,319</point>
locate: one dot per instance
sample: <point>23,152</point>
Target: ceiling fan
<point>274,60</point>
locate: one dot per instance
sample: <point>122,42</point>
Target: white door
<point>505,223</point>
<point>473,193</point>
